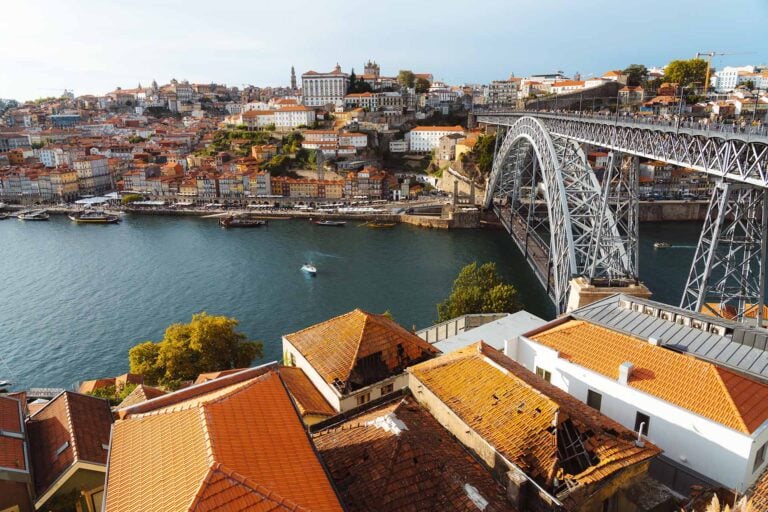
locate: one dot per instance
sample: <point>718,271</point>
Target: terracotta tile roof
<point>456,128</point>
<point>234,443</point>
<point>141,393</point>
<point>90,386</point>
<point>205,377</point>
<point>81,421</point>
<point>398,457</point>
<point>699,386</point>
<point>514,410</point>
<point>308,399</point>
<point>758,494</point>
<point>359,348</point>
<point>11,448</point>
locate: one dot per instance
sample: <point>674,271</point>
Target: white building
<point>320,89</point>
<point>622,356</point>
<point>730,77</point>
<point>426,138</point>
<point>398,146</point>
<point>566,86</point>
<point>288,118</point>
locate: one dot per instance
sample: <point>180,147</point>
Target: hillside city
<point>621,404</point>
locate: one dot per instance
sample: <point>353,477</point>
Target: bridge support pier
<point>583,293</point>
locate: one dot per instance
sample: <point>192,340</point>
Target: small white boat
<point>309,269</point>
<point>661,245</point>
<point>33,215</point>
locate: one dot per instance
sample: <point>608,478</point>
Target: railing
<point>750,129</point>
<point>458,325</point>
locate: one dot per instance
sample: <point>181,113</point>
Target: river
<point>74,298</point>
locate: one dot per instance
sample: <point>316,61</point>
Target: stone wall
<point>673,210</point>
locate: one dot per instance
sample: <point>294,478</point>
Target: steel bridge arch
<point>575,213</point>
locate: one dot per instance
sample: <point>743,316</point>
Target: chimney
<point>625,370</point>
<point>654,341</point>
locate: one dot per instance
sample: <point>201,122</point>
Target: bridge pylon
<point>727,277</point>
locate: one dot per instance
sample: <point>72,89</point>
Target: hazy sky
<point>92,46</point>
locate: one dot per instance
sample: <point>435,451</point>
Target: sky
<point>94,46</point>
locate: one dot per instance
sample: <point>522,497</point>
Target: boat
<point>334,223</point>
<point>33,215</point>
<point>4,216</point>
<point>232,221</point>
<point>377,224</point>
<point>309,269</point>
<point>2,205</point>
<point>661,245</point>
<point>94,217</point>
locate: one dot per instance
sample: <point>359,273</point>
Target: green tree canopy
<point>113,394</point>
<point>421,85</point>
<point>686,72</point>
<point>406,78</point>
<point>130,198</point>
<point>206,344</point>
<point>636,74</point>
<point>479,289</point>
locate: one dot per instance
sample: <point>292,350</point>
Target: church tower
<point>293,78</point>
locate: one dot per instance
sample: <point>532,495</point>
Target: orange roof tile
<point>336,347</point>
<point>230,444</point>
<point>11,448</point>
<point>456,128</point>
<point>81,421</point>
<point>140,394</point>
<point>758,494</point>
<point>308,399</point>
<point>514,410</point>
<point>205,377</point>
<point>699,386</point>
<point>416,466</point>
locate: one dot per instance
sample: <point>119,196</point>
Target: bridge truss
<point>550,200</point>
<point>727,276</point>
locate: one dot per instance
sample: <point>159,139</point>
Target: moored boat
<point>331,223</point>
<point>33,215</point>
<point>661,245</point>
<point>377,224</point>
<point>232,221</point>
<point>309,269</point>
<point>4,216</point>
<point>94,217</point>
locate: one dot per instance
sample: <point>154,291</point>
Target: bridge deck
<point>532,249</point>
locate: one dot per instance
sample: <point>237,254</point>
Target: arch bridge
<point>573,228</point>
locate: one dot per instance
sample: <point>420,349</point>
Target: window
<point>544,374</point>
<point>644,420</point>
<point>363,398</point>
<point>759,458</point>
<point>594,399</point>
<point>385,390</point>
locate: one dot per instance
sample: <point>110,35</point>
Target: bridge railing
<point>742,130</point>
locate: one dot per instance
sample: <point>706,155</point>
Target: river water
<point>74,298</point>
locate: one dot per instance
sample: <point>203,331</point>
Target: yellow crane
<point>709,56</point>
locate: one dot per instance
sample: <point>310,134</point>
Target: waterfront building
<point>547,449</point>
<point>16,491</point>
<point>356,357</point>
<point>68,444</point>
<point>692,384</point>
<point>398,457</point>
<point>320,89</point>
<point>232,442</point>
<point>64,185</point>
<point>369,183</point>
<point>207,185</point>
<point>260,184</point>
<point>503,93</point>
<point>93,175</point>
<point>424,139</point>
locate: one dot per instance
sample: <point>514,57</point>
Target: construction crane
<point>699,55</point>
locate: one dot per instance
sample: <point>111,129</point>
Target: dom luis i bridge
<point>580,235</point>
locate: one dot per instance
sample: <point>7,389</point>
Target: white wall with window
<point>689,440</point>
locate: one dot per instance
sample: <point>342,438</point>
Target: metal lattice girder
<point>728,271</point>
<point>735,157</point>
<point>530,163</point>
<point>617,257</point>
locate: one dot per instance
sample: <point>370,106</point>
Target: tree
<point>478,289</point>
<point>206,344</point>
<point>406,78</point>
<point>358,85</point>
<point>136,139</point>
<point>112,394</point>
<point>636,74</point>
<point>421,85</point>
<point>686,72</point>
<point>131,198</point>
